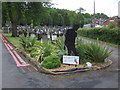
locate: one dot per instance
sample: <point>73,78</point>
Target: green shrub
<point>97,53</point>
<point>51,61</point>
<point>81,48</point>
<point>41,50</point>
<point>112,25</point>
<point>91,52</point>
<point>37,52</point>
<point>47,47</point>
<point>111,35</point>
<point>27,42</point>
<point>61,49</point>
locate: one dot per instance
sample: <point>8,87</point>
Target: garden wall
<point>104,34</point>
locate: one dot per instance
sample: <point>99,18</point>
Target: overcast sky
<point>109,7</point>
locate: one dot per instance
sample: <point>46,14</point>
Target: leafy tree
<point>80,10</point>
<point>22,13</point>
<point>14,12</point>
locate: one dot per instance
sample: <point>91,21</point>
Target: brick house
<point>110,20</point>
<point>98,21</point>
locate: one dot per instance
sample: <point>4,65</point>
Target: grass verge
<point>14,40</point>
<point>1,30</point>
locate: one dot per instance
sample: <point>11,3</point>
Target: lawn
<point>14,40</point>
<point>1,30</point>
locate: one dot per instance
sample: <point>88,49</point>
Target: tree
<point>5,16</point>
<point>80,10</point>
<point>79,19</point>
<point>22,13</point>
<point>14,12</point>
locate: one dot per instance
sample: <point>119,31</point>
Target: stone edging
<point>41,69</point>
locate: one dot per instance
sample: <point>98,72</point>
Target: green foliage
<point>91,52</point>
<point>27,42</point>
<point>60,47</point>
<point>100,15</point>
<point>81,48</point>
<point>51,61</point>
<point>47,45</point>
<point>41,50</point>
<point>41,13</point>
<point>38,52</point>
<point>97,53</point>
<point>14,40</point>
<point>112,25</point>
<point>104,34</point>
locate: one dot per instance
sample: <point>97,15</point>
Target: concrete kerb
<point>42,70</point>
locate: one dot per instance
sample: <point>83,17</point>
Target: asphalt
<point>15,77</point>
<point>0,65</point>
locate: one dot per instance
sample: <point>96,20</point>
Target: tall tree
<point>14,14</point>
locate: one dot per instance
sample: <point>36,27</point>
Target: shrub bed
<point>49,54</point>
<point>104,34</point>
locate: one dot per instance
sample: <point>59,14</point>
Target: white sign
<point>71,60</point>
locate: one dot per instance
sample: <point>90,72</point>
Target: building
<point>98,21</point>
<point>119,9</point>
<point>110,20</point>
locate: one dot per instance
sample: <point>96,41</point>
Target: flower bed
<point>59,51</point>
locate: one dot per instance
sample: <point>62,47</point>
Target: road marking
<point>10,46</point>
<point>35,68</point>
<point>15,59</point>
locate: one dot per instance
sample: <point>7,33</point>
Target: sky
<point>108,7</point>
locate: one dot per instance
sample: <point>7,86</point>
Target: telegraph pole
<point>94,7</point>
<point>119,9</point>
<point>94,13</point>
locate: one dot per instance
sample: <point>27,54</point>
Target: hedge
<point>104,34</point>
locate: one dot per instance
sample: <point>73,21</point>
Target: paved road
<point>0,65</point>
<point>14,77</point>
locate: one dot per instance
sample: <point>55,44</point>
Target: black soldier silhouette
<point>70,37</point>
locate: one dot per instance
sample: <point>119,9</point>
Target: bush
<point>91,52</point>
<point>97,53</point>
<point>80,47</point>
<point>27,42</point>
<point>111,35</point>
<point>112,25</point>
<point>47,47</point>
<point>61,49</point>
<point>51,61</point>
<point>41,50</point>
<point>38,52</point>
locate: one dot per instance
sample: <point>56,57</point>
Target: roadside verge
<point>43,70</point>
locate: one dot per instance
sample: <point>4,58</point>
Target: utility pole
<point>119,9</point>
<point>94,14</point>
<point>94,7</point>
